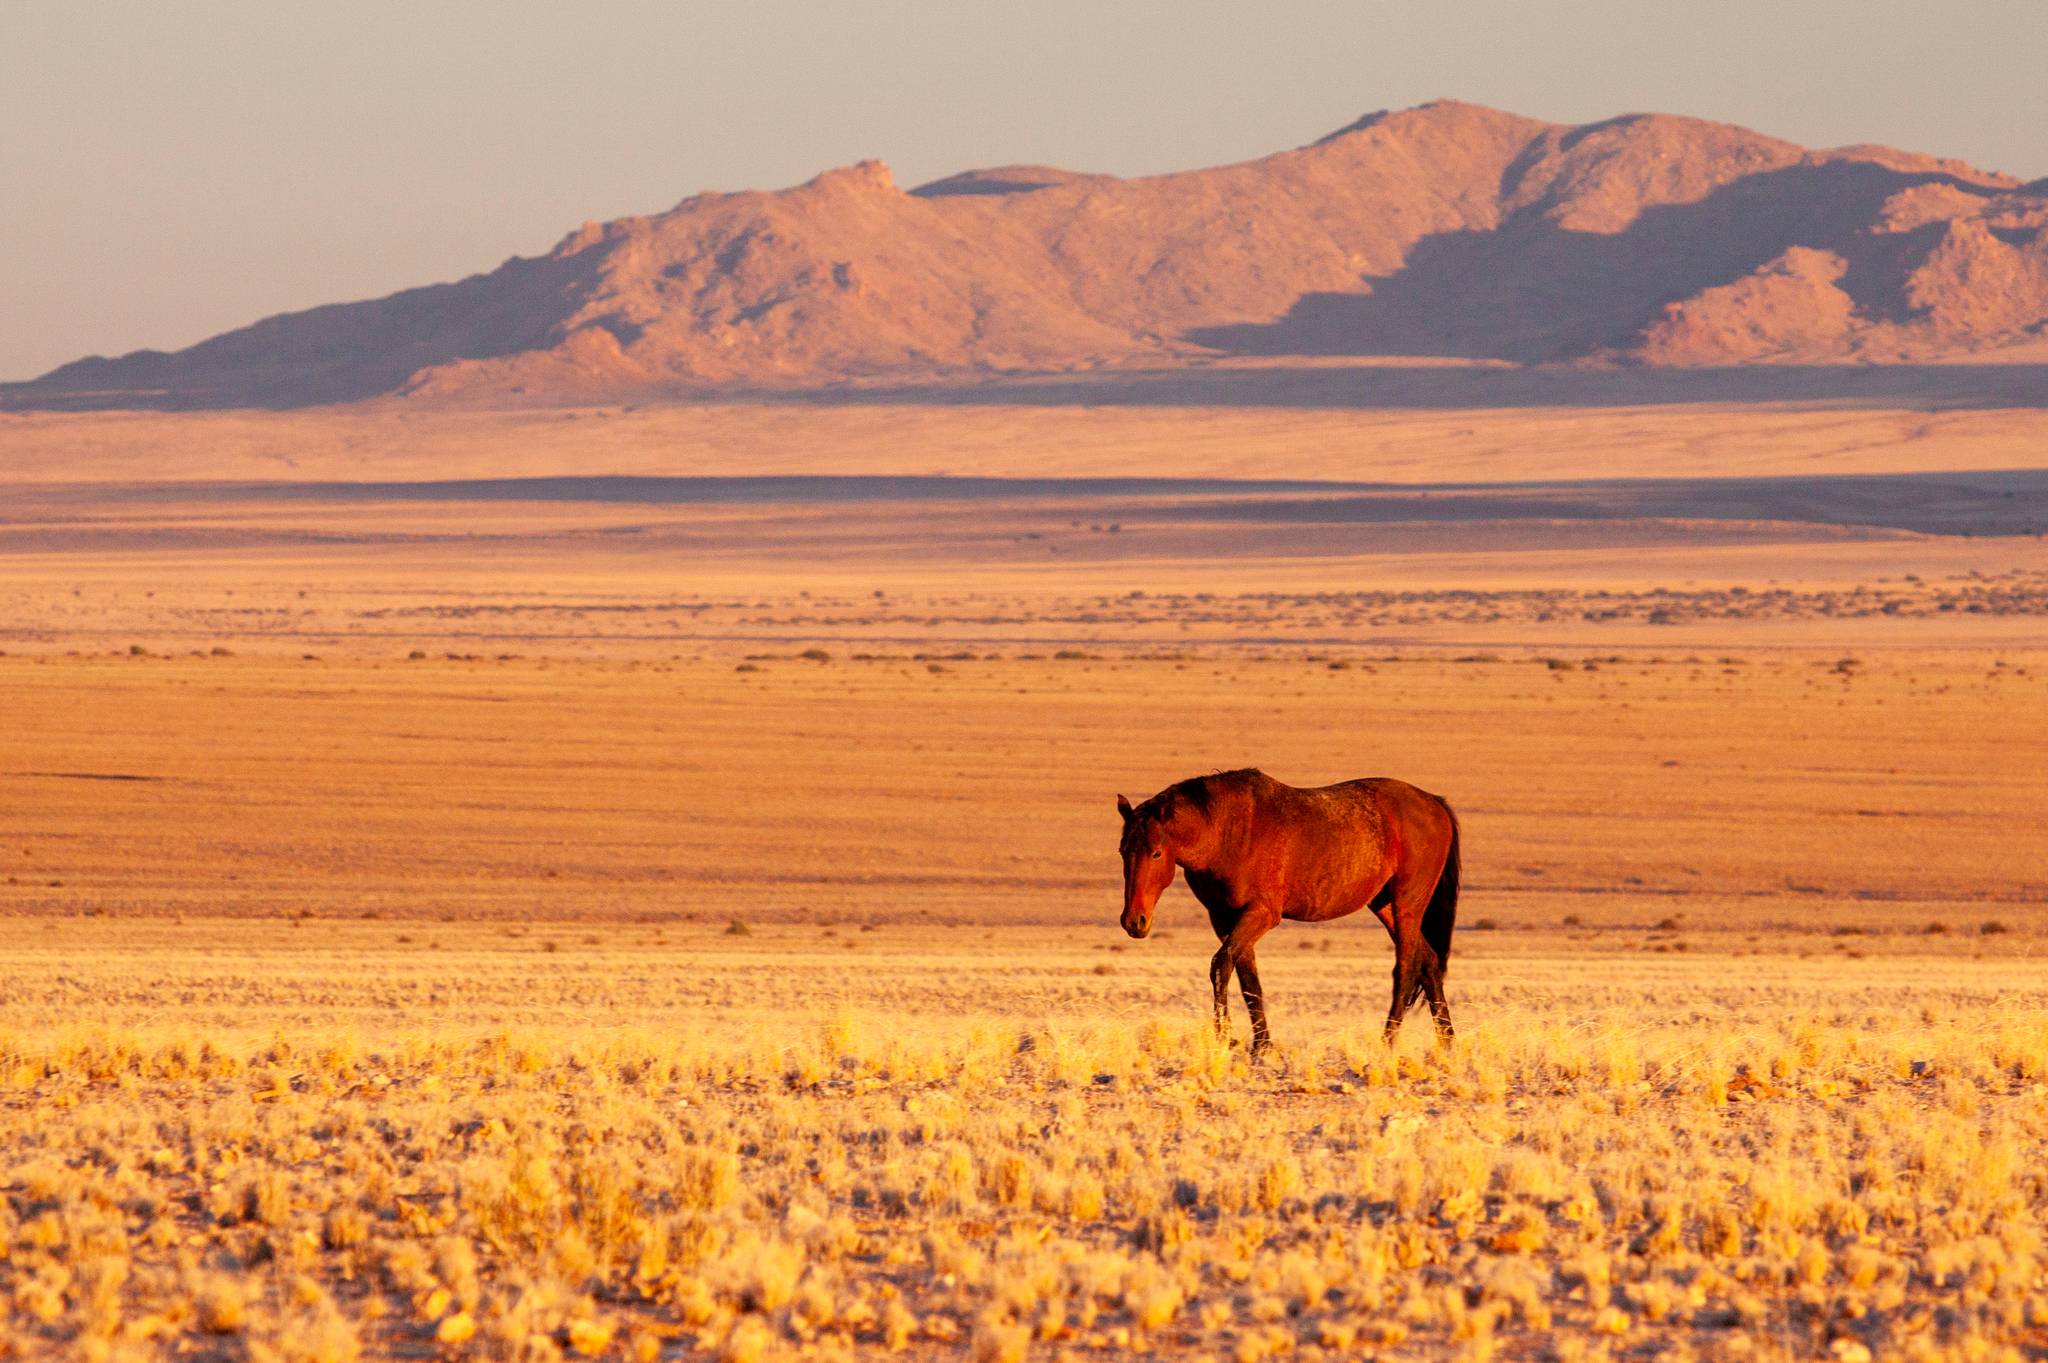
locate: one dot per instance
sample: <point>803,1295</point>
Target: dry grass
<point>1829,1160</point>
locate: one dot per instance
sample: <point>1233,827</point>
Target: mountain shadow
<point>1534,292</point>
<point>1432,387</point>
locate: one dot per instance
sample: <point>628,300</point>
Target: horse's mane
<point>1200,792</point>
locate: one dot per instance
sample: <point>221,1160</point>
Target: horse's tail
<point>1442,913</point>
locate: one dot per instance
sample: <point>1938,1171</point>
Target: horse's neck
<point>1207,844</point>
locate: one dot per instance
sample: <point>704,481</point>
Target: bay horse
<point>1256,851</point>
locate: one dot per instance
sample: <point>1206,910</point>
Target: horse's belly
<point>1319,913</point>
<point>1333,898</point>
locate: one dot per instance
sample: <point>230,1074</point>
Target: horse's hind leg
<point>1433,985</point>
<point>1407,980</point>
<point>1416,968</point>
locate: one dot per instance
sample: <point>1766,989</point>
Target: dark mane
<point>1200,791</point>
<point>1197,792</point>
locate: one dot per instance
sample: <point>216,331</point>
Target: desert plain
<point>642,883</point>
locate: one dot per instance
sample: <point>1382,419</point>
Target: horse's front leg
<point>1223,918</point>
<point>1254,999</point>
<point>1237,955</point>
<point>1219,981</point>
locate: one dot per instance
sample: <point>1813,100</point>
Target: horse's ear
<point>1123,807</point>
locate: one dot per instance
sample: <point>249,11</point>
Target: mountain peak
<point>1001,180</point>
<point>1437,116</point>
<point>869,176</point>
<point>1363,123</point>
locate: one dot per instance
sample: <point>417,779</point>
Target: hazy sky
<point>169,170</point>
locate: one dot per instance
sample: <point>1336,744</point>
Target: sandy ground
<point>1760,791</point>
<point>1652,424</point>
<point>1780,662</point>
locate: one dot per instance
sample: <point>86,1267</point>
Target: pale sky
<point>171,170</point>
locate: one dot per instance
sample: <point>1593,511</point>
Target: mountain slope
<point>1448,230</point>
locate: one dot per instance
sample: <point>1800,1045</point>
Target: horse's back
<point>1392,793</point>
<point>1375,799</point>
<point>1378,816</point>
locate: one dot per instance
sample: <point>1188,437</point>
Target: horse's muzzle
<point>1138,927</point>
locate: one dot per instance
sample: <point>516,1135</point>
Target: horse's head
<point>1148,862</point>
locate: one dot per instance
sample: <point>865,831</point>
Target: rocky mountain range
<point>1443,232</point>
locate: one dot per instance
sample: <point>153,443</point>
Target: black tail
<point>1442,913</point>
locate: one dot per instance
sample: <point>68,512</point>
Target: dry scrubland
<point>1688,1156</point>
<point>516,924</point>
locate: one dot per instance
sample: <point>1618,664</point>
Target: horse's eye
<point>1155,855</point>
